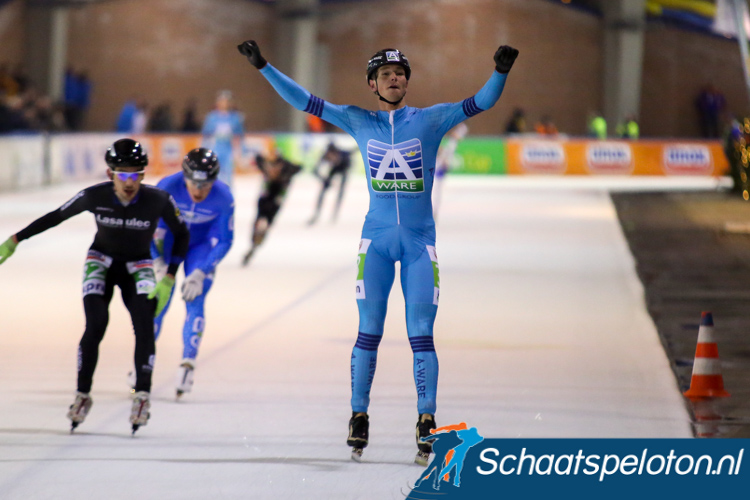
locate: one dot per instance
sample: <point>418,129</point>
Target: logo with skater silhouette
<point>450,444</point>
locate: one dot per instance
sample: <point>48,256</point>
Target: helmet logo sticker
<point>392,55</point>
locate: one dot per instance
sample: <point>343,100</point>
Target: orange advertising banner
<point>589,157</point>
<point>166,151</point>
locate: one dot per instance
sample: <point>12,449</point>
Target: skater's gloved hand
<point>160,268</point>
<point>161,292</point>
<point>251,50</point>
<point>192,287</point>
<point>7,248</point>
<point>505,56</point>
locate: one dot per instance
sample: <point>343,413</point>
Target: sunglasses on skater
<point>125,176</point>
<point>201,184</point>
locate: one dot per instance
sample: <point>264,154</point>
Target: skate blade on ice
<point>357,454</point>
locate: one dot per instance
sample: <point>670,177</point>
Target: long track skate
<point>79,409</point>
<point>425,424</point>
<point>359,431</point>
<point>139,412</point>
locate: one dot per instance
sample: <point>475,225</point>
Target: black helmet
<point>126,153</point>
<point>387,56</point>
<point>200,165</point>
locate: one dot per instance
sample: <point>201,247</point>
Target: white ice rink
<point>541,332</point>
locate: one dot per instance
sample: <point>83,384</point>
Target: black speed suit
<point>274,188</point>
<point>119,256</point>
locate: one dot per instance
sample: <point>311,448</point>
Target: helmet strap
<point>392,103</point>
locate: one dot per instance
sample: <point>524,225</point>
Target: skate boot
<point>359,432</point>
<point>139,411</point>
<point>79,409</point>
<point>425,423</point>
<point>185,376</point>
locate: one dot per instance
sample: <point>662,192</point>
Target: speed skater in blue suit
<point>207,205</point>
<point>399,146</point>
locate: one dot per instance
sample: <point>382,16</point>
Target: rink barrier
<point>33,160</point>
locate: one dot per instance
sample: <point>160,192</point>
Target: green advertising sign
<point>480,156</point>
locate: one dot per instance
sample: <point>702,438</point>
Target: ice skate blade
<point>178,394</point>
<point>422,458</point>
<point>73,426</point>
<point>246,259</point>
<point>357,454</point>
<point>135,428</point>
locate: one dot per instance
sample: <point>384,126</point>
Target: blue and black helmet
<point>200,165</point>
<point>387,56</point>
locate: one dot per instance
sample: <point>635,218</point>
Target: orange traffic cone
<point>707,381</point>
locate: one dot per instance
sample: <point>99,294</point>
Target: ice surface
<point>541,332</point>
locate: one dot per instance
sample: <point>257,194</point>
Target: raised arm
<point>72,207</point>
<point>504,58</point>
<point>447,116</point>
<point>296,95</point>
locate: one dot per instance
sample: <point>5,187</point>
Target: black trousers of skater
<point>96,308</point>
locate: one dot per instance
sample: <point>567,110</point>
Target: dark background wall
<point>169,50</point>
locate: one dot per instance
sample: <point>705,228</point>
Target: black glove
<point>251,50</point>
<point>504,58</point>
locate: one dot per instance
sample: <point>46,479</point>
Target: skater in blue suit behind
<point>207,206</point>
<point>399,146</point>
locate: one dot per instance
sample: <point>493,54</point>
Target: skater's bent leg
<point>420,319</point>
<point>160,318</point>
<point>142,311</point>
<point>340,196</point>
<point>97,317</point>
<point>365,352</point>
<point>195,323</point>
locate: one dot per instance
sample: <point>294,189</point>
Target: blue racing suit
<point>219,129</point>
<point>399,149</point>
<point>211,226</point>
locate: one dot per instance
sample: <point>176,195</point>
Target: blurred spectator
<point>517,122</point>
<point>710,104</point>
<point>77,91</point>
<point>21,78</point>
<point>222,132</point>
<point>735,148</point>
<point>125,119</point>
<point>49,116</point>
<point>83,98</point>
<point>545,126</point>
<point>315,124</point>
<point>628,129</point>
<point>12,118</point>
<point>190,118</point>
<point>30,112</point>
<point>597,126</point>
<point>140,117</point>
<point>161,119</point>
<point>9,86</point>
